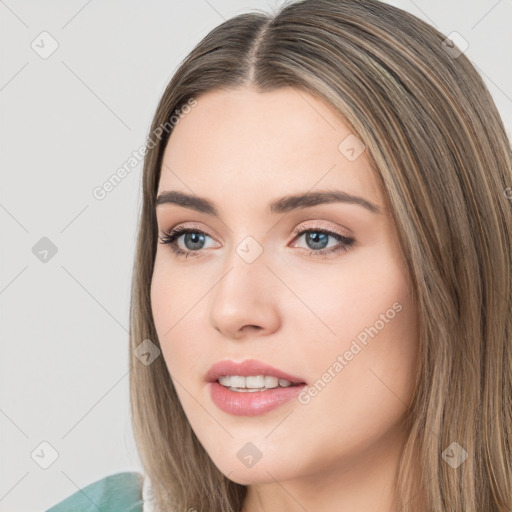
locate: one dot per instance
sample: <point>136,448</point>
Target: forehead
<point>264,144</point>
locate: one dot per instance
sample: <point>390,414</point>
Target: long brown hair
<point>439,149</point>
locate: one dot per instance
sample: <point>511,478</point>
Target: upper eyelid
<point>296,231</point>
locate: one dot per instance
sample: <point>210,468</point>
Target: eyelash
<point>169,238</point>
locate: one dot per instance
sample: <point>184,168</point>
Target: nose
<point>246,299</point>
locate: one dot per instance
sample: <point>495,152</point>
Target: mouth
<point>251,387</point>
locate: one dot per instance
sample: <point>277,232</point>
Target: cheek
<point>173,295</point>
<point>364,358</point>
<point>172,303</point>
<point>336,303</point>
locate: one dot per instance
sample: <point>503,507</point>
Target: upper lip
<point>247,367</point>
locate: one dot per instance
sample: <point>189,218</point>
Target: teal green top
<point>121,492</point>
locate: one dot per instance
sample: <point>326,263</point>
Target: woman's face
<point>331,307</point>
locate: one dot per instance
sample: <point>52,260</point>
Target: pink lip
<point>247,367</point>
<point>254,402</point>
<point>251,403</point>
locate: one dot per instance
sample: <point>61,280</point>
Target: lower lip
<point>252,403</point>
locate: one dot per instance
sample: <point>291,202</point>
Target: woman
<point>320,313</point>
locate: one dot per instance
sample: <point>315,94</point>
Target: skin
<point>291,309</point>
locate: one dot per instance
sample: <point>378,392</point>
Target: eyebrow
<point>281,205</point>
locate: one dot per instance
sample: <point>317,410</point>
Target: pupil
<point>195,238</point>
<point>315,237</point>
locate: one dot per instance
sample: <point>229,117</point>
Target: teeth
<point>238,382</point>
<point>252,382</point>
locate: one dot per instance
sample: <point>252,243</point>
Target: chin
<point>254,475</point>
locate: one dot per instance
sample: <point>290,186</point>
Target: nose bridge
<point>246,274</point>
<point>242,297</point>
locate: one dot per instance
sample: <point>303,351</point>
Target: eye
<point>317,240</point>
<point>193,238</point>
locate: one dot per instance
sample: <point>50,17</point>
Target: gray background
<point>68,122</point>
